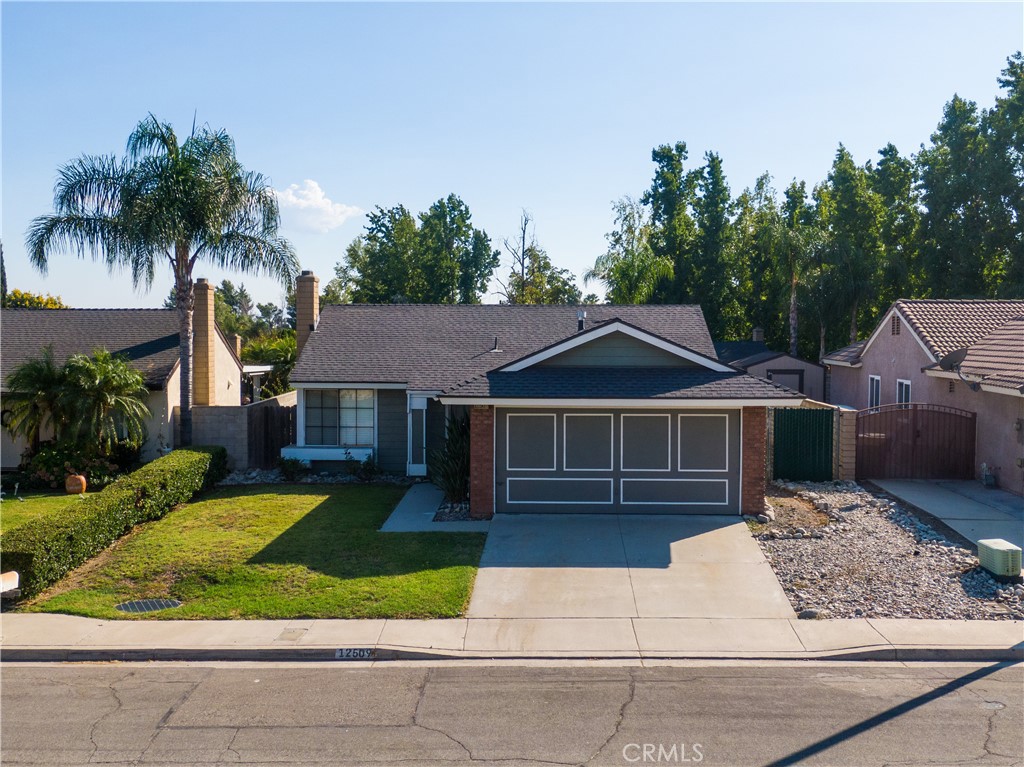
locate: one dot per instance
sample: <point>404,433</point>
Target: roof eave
<point>638,402</point>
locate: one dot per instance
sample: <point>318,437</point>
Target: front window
<point>874,391</point>
<point>902,392</point>
<point>341,417</point>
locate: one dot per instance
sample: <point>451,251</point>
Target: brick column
<point>755,447</point>
<point>204,329</point>
<point>481,462</point>
<point>307,307</point>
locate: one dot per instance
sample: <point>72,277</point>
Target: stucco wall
<point>891,357</point>
<point>228,385</point>
<point>814,375</point>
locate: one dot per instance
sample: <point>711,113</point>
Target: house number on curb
<point>355,653</point>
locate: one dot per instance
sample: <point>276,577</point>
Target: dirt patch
<point>791,513</point>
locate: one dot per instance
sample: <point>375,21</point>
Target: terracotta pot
<point>75,484</point>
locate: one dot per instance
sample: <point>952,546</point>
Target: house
<point>963,354</point>
<point>756,358</point>
<point>148,338</point>
<point>621,409</point>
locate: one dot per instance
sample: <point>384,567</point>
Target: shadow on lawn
<point>339,538</point>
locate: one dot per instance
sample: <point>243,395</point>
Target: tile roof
<point>848,354</point>
<point>434,347</point>
<point>619,383</point>
<point>999,357</point>
<point>945,325</point>
<point>148,337</point>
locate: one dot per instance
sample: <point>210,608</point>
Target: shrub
<point>367,470</point>
<point>292,468</point>
<point>55,461</point>
<point>449,467</point>
<point>45,549</point>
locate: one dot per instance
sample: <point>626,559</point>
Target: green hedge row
<point>45,549</point>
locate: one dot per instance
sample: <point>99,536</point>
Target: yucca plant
<point>449,466</point>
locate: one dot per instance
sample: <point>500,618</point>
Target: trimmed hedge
<point>44,550</point>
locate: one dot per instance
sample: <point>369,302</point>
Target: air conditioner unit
<point>999,557</point>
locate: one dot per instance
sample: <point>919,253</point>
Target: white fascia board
<point>616,327</point>
<point>885,322</point>
<point>838,364</point>
<point>940,373</point>
<point>347,385</point>
<point>644,404</point>
<point>1002,390</point>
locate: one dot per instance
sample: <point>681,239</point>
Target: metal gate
<point>803,444</point>
<point>915,441</point>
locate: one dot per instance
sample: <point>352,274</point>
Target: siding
<point>616,350</point>
<point>814,375</point>
<point>392,430</point>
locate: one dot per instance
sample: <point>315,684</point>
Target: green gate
<point>803,444</point>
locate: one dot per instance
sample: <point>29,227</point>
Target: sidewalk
<point>46,637</point>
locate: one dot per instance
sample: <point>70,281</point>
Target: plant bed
<point>840,551</point>
<point>278,551</point>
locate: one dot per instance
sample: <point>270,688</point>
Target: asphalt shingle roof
<point>999,356</point>
<point>947,325</point>
<point>620,383</point>
<point>148,337</point>
<point>730,351</point>
<point>435,347</point>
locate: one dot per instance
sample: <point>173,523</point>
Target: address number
<point>355,653</point>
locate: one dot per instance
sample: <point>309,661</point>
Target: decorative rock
<point>809,614</point>
<point>763,519</point>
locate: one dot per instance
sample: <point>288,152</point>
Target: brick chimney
<point>236,343</point>
<point>204,331</point>
<point>307,307</point>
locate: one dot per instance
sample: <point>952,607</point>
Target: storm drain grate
<point>147,605</point>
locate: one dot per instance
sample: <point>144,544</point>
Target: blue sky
<point>550,107</point>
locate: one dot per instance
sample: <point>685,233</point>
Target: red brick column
<point>481,462</point>
<point>755,446</point>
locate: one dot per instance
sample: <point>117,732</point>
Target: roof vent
<point>581,319</point>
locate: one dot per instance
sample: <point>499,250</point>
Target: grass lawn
<point>15,512</point>
<point>278,551</point>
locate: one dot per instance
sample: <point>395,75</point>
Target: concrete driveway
<point>626,566</point>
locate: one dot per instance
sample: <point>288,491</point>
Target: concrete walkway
<point>43,637</point>
<point>415,514</point>
<point>968,508</point>
<point>624,566</point>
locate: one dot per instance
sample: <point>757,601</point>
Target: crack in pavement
<point>96,724</point>
<point>618,722</point>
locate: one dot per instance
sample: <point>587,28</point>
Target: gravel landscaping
<point>840,551</point>
<point>274,476</point>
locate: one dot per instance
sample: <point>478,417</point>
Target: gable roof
<point>998,358</point>
<point>433,347</point>
<point>614,325</point>
<point>147,337</point>
<point>848,356</point>
<point>730,351</point>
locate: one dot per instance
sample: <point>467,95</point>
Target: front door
<point>417,466</point>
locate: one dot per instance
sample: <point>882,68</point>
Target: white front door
<point>417,466</point>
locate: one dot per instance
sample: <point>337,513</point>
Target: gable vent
<point>895,325</point>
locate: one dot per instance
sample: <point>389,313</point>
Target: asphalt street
<point>742,714</point>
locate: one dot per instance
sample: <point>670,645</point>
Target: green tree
<point>455,259</point>
<point>754,221</point>
<point>104,400</point>
<point>796,240</point>
<point>894,179</point>
<point>671,197</point>
<point>532,278</point>
<point>630,270</point>
<point>278,351</point>
<point>713,286</point>
<point>35,398</point>
<point>21,299</point>
<point>383,262</point>
<point>187,202</point>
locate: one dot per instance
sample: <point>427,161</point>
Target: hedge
<point>45,549</point>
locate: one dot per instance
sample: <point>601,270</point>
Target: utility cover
<point>147,605</point>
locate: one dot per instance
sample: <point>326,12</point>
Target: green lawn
<point>281,551</point>
<point>15,512</point>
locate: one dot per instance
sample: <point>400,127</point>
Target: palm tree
<point>630,270</point>
<point>185,203</point>
<point>105,400</point>
<point>34,397</point>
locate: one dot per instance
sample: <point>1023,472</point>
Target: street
<point>740,714</point>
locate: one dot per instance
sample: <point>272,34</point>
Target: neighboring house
<point>958,353</point>
<point>148,338</point>
<point>623,410</point>
<point>756,358</point>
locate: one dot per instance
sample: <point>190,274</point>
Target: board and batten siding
<point>392,430</point>
<point>616,350</point>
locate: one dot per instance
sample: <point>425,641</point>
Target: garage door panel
<point>588,444</point>
<point>675,492</point>
<point>531,441</point>
<point>703,442</point>
<point>522,490</point>
<point>646,442</point>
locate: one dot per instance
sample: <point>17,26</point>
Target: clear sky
<point>549,107</point>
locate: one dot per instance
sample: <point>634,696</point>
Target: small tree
<point>35,396</point>
<point>449,467</point>
<point>104,400</point>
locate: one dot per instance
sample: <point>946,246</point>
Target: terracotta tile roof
<point>434,347</point>
<point>950,324</point>
<point>848,354</point>
<point>620,383</point>
<point>999,356</point>
<point>148,337</point>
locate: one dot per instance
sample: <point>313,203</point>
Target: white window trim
<point>300,422</point>
<point>879,379</point>
<point>910,394</point>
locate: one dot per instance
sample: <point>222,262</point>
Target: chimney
<point>758,335</point>
<point>236,343</point>
<point>204,366</point>
<point>307,307</point>
<point>581,320</point>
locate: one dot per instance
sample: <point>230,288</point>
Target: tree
<point>19,299</point>
<point>630,270</point>
<point>35,397</point>
<point>104,400</point>
<point>711,270</point>
<point>456,260</point>
<point>533,279</point>
<point>796,239</point>
<point>672,195</point>
<point>755,215</point>
<point>383,261</point>
<point>281,352</point>
<point>894,179</point>
<point>185,202</point>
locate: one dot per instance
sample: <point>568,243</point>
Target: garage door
<point>635,461</point>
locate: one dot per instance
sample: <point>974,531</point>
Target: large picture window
<point>341,417</point>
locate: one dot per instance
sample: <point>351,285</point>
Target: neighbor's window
<point>339,417</point>
<point>902,392</point>
<point>874,391</point>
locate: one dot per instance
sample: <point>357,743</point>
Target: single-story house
<point>756,358</point>
<point>622,409</point>
<point>965,354</point>
<point>148,338</point>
